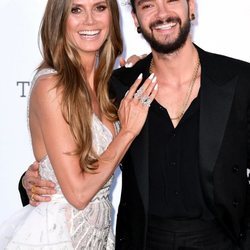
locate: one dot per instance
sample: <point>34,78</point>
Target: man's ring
<point>33,188</point>
<point>32,197</point>
<point>145,100</point>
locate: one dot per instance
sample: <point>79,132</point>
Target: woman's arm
<point>31,178</point>
<point>78,186</point>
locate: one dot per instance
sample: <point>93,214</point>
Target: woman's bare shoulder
<point>45,88</point>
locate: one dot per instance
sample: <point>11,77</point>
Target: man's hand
<point>38,190</point>
<point>131,61</point>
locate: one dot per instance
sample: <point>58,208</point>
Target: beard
<point>172,46</point>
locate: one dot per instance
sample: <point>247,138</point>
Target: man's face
<point>165,24</point>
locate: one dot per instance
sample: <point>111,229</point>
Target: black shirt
<point>174,184</point>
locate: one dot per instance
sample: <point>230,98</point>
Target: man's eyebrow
<point>142,1</point>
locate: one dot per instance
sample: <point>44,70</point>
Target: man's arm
<point>22,191</point>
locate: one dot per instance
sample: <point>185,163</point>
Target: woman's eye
<point>101,8</point>
<point>75,10</point>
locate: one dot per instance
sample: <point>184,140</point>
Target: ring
<point>32,197</point>
<point>33,188</point>
<point>145,100</point>
<point>138,93</point>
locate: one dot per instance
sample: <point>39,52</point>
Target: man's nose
<point>162,9</point>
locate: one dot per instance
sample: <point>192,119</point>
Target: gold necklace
<point>189,92</point>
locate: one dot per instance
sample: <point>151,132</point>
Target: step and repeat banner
<point>220,26</point>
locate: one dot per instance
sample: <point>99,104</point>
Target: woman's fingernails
<point>156,86</point>
<point>140,76</point>
<point>151,76</point>
<point>154,79</point>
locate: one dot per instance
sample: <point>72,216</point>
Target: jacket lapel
<point>139,153</point>
<point>140,145</point>
<point>216,101</point>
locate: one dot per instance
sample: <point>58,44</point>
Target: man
<point>184,177</point>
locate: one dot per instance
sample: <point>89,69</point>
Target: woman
<point>74,128</point>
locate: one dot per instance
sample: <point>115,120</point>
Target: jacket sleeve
<point>248,168</point>
<point>22,191</point>
<point>247,240</point>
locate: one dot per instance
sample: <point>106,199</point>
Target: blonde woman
<point>74,127</point>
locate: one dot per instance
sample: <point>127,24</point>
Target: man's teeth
<point>89,32</point>
<point>165,26</point>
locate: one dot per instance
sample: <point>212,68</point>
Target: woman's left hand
<point>134,106</point>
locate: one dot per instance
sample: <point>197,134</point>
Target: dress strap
<point>42,72</point>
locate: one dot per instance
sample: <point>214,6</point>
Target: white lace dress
<point>57,225</point>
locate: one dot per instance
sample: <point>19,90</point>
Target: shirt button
<point>176,193</point>
<point>122,239</point>
<point>123,204</point>
<point>172,163</point>
<point>236,169</point>
<point>236,203</point>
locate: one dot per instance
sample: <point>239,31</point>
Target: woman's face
<point>88,25</point>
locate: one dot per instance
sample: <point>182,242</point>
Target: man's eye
<point>146,6</point>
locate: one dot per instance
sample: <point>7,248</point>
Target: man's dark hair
<point>133,5</point>
<point>132,2</point>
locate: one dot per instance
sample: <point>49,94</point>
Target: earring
<point>192,16</point>
<point>138,29</point>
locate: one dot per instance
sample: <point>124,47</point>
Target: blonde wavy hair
<point>60,55</point>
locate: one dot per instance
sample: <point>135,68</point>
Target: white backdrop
<point>222,26</point>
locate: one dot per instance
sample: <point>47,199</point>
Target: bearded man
<point>185,180</point>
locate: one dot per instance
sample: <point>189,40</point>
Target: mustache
<point>168,20</point>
